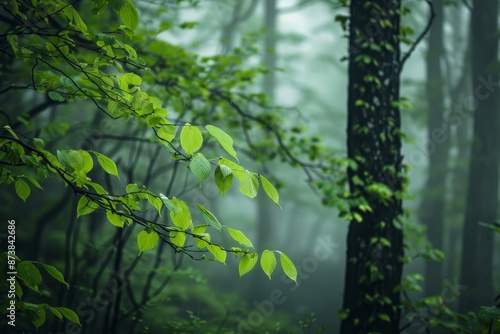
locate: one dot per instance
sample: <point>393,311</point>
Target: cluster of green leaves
<point>104,74</point>
<point>28,275</point>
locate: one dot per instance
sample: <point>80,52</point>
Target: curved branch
<point>420,37</point>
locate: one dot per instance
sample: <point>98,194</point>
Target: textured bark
<point>434,199</point>
<point>373,270</point>
<point>482,192</point>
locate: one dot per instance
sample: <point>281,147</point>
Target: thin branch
<point>420,37</point>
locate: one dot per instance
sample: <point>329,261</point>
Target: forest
<point>250,166</point>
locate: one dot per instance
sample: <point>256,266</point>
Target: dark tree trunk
<point>374,245</point>
<point>433,202</point>
<point>482,192</point>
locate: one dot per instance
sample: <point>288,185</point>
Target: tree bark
<point>482,192</point>
<point>374,244</point>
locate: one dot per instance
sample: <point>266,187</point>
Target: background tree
<point>482,192</point>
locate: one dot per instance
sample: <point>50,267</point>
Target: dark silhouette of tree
<point>433,202</point>
<point>482,193</point>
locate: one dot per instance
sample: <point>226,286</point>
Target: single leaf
<point>191,138</point>
<point>29,274</point>
<point>223,138</point>
<point>147,240</point>
<point>288,267</point>
<point>22,189</point>
<point>181,218</point>
<point>178,238</point>
<point>249,185</point>
<point>132,79</point>
<point>88,162</point>
<point>268,262</point>
<point>156,202</point>
<point>55,273</point>
<point>218,253</point>
<point>117,4</point>
<point>237,170</point>
<point>225,170</point>
<point>85,206</point>
<point>239,237</point>
<point>114,218</point>
<point>56,96</point>
<point>76,160</point>
<point>39,143</point>
<point>222,182</point>
<point>69,314</point>
<point>167,132</point>
<point>200,167</point>
<point>129,15</point>
<point>168,203</point>
<point>56,312</point>
<point>247,263</point>
<point>270,190</point>
<point>38,322</point>
<point>107,164</point>
<point>209,217</point>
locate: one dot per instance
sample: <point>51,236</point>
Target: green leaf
<point>168,203</point>
<point>147,240</point>
<point>237,170</point>
<point>117,4</point>
<point>129,15</point>
<point>209,218</point>
<point>238,236</point>
<point>55,312</point>
<point>34,182</point>
<point>156,202</point>
<point>98,188</point>
<point>56,96</point>
<point>63,158</point>
<point>181,218</point>
<point>76,160</point>
<point>200,167</point>
<point>22,189</point>
<point>39,143</point>
<point>132,79</point>
<point>69,314</point>
<point>88,162</point>
<point>205,237</point>
<point>222,182</point>
<point>85,206</point>
<point>114,218</point>
<point>178,238</point>
<point>223,138</point>
<point>167,132</point>
<point>249,185</point>
<point>29,274</point>
<point>107,164</point>
<point>247,263</point>
<point>288,267</point>
<point>270,190</point>
<point>217,252</point>
<point>268,262</point>
<point>191,138</point>
<point>38,322</point>
<point>55,273</point>
<point>384,317</point>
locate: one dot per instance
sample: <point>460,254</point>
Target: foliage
<point>16,274</point>
<point>64,56</point>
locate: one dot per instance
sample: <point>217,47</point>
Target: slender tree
<point>433,202</point>
<point>375,240</point>
<point>482,192</point>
